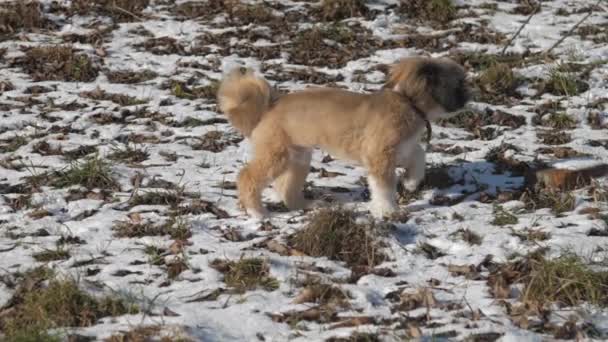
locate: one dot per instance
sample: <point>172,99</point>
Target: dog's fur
<point>378,130</point>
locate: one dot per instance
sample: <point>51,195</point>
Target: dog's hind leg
<point>271,160</point>
<point>290,183</point>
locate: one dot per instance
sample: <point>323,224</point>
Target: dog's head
<point>437,85</point>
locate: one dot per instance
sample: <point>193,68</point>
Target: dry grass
<point>335,10</point>
<point>496,82</point>
<point>559,202</point>
<point>128,153</point>
<point>150,333</point>
<point>335,234</point>
<point>119,10</point>
<point>246,274</point>
<point>565,280</point>
<point>47,255</point>
<point>176,227</point>
<point>130,77</point>
<point>20,14</point>
<point>434,11</point>
<point>58,63</point>
<point>101,95</point>
<point>44,301</point>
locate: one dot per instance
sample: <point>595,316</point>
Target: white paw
<point>380,210</point>
<point>258,214</point>
<point>411,184</point>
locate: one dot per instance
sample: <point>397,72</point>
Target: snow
<point>244,317</point>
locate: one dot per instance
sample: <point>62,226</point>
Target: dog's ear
<point>430,72</point>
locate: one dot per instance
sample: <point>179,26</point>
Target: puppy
<point>379,130</point>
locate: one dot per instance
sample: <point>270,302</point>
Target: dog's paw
<point>411,185</point>
<point>381,210</point>
<point>258,214</point>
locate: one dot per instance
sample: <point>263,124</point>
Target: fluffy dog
<point>379,130</point>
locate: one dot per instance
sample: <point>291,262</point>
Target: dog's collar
<point>422,115</point>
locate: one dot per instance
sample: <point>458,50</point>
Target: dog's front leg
<point>415,166</point>
<point>383,190</point>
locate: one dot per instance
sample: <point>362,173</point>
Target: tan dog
<point>380,130</point>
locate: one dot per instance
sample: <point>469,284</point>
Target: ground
<point>117,175</point>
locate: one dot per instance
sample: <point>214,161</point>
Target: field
<point>119,219</point>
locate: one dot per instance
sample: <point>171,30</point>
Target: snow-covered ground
<point>197,51</point>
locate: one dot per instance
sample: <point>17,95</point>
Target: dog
<point>379,130</point>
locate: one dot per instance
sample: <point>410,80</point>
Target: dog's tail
<point>244,98</point>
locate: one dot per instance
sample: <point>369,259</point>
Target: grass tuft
<point>335,10</point>
<point>60,253</point>
<point>334,233</point>
<point>246,274</point>
<point>58,63</point>
<point>503,217</point>
<point>565,280</point>
<point>91,173</point>
<point>45,301</point>
<point>435,11</point>
<point>15,15</point>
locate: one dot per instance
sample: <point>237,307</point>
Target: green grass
<point>503,217</point>
<point>44,301</point>
<point>91,173</point>
<point>129,153</point>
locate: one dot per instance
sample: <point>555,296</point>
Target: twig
<point>120,9</point>
<point>537,9</point>
<point>569,33</point>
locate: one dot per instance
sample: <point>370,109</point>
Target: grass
<point>564,83</point>
<point>335,234</point>
<point>554,137</point>
<point>558,202</point>
<point>91,173</point>
<point>498,79</point>
<point>119,10</point>
<point>13,144</point>
<point>121,99</point>
<point>58,63</point>
<point>434,11</point>
<point>183,91</point>
<point>566,280</point>
<point>20,15</point>
<point>129,153</point>
<point>503,218</point>
<point>246,274</point>
<point>149,333</point>
<point>52,254</point>
<point>176,227</point>
<point>130,77</point>
<point>45,301</point>
<point>172,198</point>
<point>561,120</point>
<point>335,10</point>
